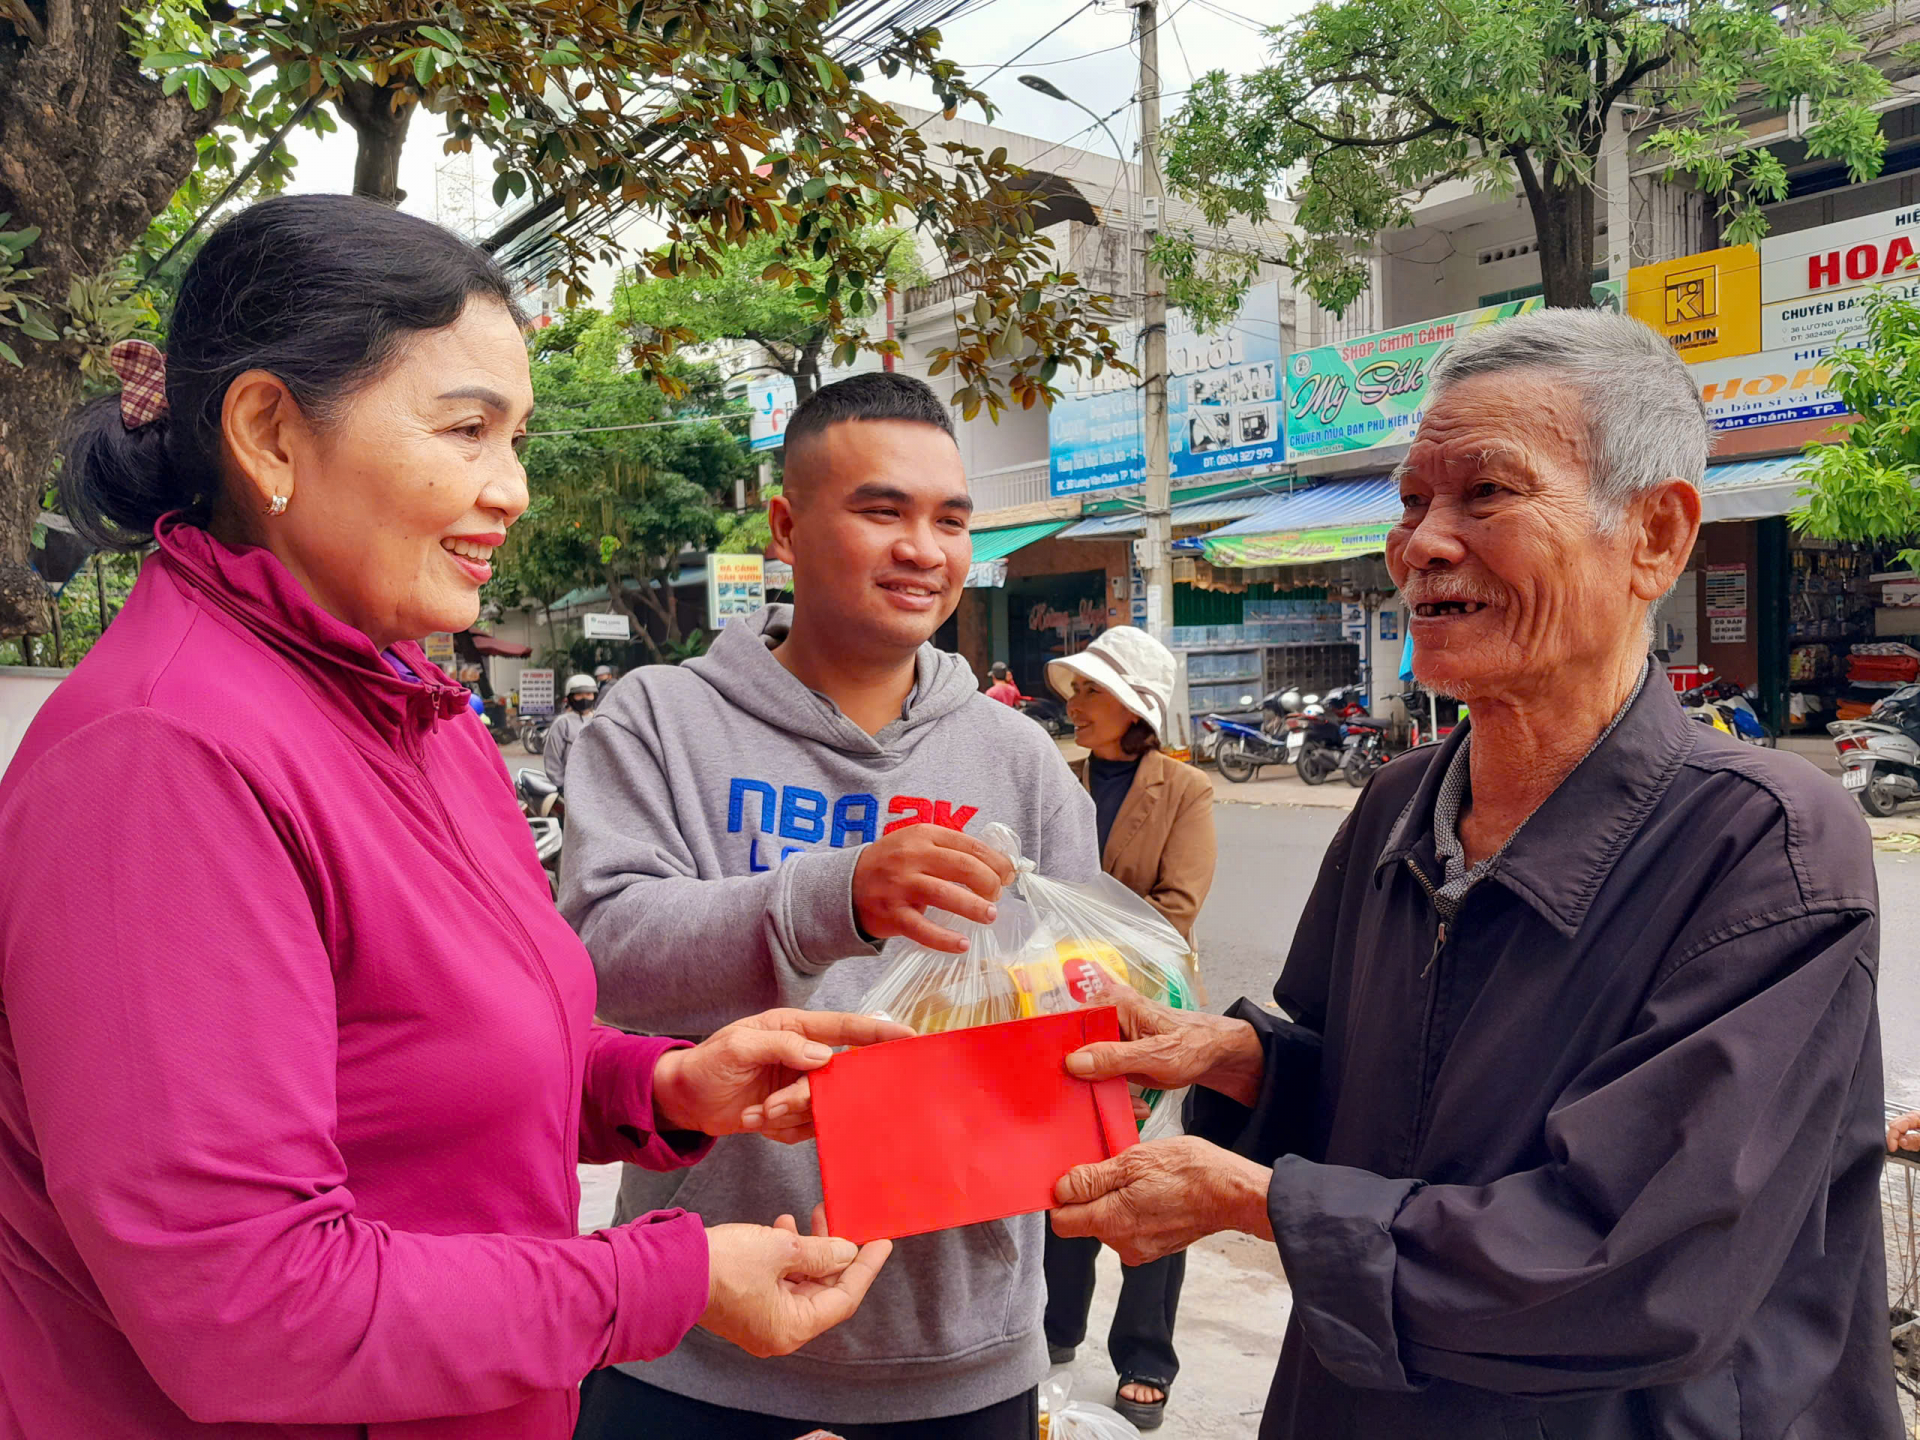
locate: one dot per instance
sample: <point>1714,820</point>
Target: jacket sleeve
<point>1686,1162</point>
<point>1069,839</point>
<point>678,952</point>
<point>1186,861</point>
<point>174,1021</point>
<point>616,1105</point>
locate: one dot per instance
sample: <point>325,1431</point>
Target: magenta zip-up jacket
<point>296,1058</point>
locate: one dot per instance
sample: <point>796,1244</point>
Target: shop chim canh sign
<point>1368,392</point>
<point>1813,282</point>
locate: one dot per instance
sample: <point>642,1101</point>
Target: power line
<point>1233,15</point>
<point>1036,44</point>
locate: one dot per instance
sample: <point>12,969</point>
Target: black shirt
<point>1110,780</point>
<point>1604,1162</point>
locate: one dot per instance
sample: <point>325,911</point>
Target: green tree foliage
<point>727,120</point>
<point>738,302</point>
<point>1367,104</point>
<point>1864,487</point>
<point>636,478</point>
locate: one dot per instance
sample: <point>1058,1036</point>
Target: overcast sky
<point>1090,57</point>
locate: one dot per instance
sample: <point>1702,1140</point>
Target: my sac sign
<point>1812,281</point>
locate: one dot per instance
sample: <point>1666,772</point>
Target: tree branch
<point>1530,181</point>
<point>260,157</point>
<point>16,13</point>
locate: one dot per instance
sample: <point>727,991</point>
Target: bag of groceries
<point>1063,1418</point>
<point>1052,947</point>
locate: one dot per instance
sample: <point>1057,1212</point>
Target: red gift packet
<point>970,1125</point>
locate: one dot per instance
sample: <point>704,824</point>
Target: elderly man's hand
<point>1165,1048</point>
<point>1155,1199</point>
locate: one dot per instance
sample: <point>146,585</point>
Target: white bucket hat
<point>1130,665</point>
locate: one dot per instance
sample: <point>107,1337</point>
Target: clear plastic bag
<point>1064,1419</point>
<point>1053,946</point>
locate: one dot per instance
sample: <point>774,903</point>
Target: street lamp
<point>1054,92</point>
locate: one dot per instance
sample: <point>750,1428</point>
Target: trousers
<point>1140,1340</point>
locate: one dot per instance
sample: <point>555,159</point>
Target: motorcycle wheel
<point>1315,766</point>
<point>1360,771</point>
<point>1234,761</point>
<point>1878,800</point>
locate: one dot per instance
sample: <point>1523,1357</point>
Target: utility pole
<point>1157,563</point>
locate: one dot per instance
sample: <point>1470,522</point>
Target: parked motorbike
<point>533,732</point>
<point>1365,750</point>
<point>546,811</point>
<point>1048,712</point>
<point>1880,756</point>
<point>1727,706</point>
<point>1315,727</point>
<point>1241,749</point>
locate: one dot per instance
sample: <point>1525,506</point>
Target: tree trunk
<point>90,152</point>
<point>617,593</point>
<point>806,368</point>
<point>1563,216</point>
<point>379,115</point>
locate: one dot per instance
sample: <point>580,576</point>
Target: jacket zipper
<point>1426,1023</point>
<point>532,951</point>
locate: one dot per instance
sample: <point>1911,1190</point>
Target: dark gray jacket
<point>1606,1162</point>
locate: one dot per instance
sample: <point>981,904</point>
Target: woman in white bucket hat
<point>1156,837</point>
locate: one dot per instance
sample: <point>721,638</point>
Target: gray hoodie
<point>715,811</point>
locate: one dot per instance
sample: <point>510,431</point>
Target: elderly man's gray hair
<point>1645,419</point>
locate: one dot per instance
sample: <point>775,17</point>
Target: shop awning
<point>1129,524</point>
<point>1335,521</point>
<point>992,547</point>
<point>1750,489</point>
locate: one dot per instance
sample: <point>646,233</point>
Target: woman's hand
<point>1164,1048</point>
<point>751,1075</point>
<point>1154,1199</point>
<point>772,1289</point>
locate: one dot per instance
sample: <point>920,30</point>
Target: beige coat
<point>1161,846</point>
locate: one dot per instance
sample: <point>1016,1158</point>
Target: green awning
<point>1249,483</point>
<point>998,544</point>
<point>992,547</point>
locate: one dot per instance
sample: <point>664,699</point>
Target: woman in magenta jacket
<point>296,1058</point>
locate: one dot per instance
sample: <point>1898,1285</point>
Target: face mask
<point>580,704</point>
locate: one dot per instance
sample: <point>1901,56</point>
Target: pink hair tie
<point>143,382</point>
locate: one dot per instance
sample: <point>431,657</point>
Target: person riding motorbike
<point>582,695</point>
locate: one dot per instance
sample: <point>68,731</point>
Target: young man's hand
<point>900,876</point>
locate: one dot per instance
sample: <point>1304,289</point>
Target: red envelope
<point>971,1125</point>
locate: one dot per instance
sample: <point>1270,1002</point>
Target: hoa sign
<point>1812,281</point>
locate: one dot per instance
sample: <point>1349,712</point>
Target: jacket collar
<point>1148,781</point>
<point>1563,854</point>
<point>249,588</point>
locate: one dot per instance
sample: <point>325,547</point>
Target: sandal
<point>1145,1414</point>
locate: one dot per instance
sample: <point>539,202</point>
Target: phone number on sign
<point>1241,457</point>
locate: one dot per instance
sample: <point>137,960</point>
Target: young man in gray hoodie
<point>748,830</point>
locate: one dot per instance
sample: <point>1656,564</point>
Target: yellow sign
<point>1708,306</point>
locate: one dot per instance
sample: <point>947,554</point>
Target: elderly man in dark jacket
<point>1569,1124</point>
